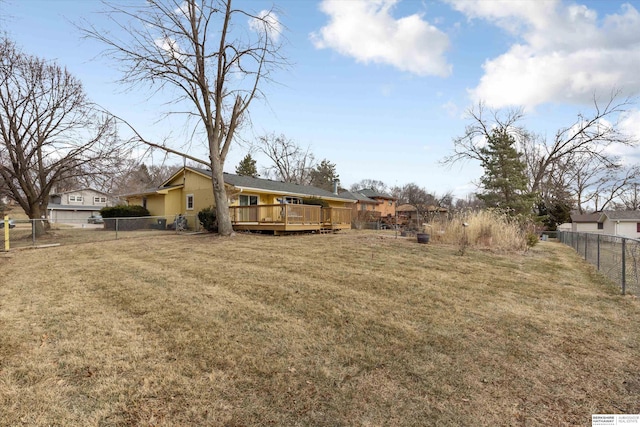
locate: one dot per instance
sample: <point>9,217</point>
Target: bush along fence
<point>618,258</point>
<point>25,232</point>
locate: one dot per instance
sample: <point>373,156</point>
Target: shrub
<point>124,211</point>
<point>208,219</point>
<point>532,239</point>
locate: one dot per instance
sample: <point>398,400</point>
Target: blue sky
<point>380,87</point>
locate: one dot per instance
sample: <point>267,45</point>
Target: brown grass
<point>484,229</point>
<point>350,329</point>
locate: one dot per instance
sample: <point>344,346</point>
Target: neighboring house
<point>77,205</point>
<point>255,203</point>
<point>364,208</point>
<point>386,204</point>
<point>620,223</point>
<point>587,223</point>
<point>372,206</point>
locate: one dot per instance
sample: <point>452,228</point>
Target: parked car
<point>12,223</point>
<point>95,219</point>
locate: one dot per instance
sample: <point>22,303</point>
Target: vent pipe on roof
<point>335,185</point>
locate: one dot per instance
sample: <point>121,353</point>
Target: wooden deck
<point>289,218</point>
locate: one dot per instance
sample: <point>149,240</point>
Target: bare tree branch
<point>197,48</point>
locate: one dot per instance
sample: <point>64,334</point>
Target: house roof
<point>368,192</point>
<point>260,184</point>
<point>406,208</point>
<point>57,193</point>
<point>356,195</point>
<point>632,216</point>
<point>592,217</point>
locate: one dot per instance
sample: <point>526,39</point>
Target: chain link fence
<point>21,233</point>
<point>618,258</point>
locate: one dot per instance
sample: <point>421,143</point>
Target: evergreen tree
<point>247,167</point>
<point>323,175</point>
<point>504,180</point>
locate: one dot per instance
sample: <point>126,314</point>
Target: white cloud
<point>566,53</point>
<point>170,46</point>
<point>367,31</point>
<point>267,21</point>
<point>451,109</point>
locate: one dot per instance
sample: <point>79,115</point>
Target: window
<point>189,202</point>
<point>98,200</point>
<point>75,199</point>
<point>293,200</point>
<point>600,226</point>
<point>638,227</point>
<point>246,200</point>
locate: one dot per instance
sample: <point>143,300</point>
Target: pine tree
<point>504,180</point>
<point>323,175</point>
<point>247,167</point>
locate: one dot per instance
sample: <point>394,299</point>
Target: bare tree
<point>630,197</point>
<point>588,137</point>
<point>289,161</point>
<point>49,131</point>
<point>213,56</point>
<point>373,184</point>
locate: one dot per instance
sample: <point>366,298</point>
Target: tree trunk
<point>222,204</point>
<point>35,214</point>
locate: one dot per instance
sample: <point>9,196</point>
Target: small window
<point>638,227</point>
<point>293,200</point>
<point>189,202</point>
<point>75,198</point>
<point>97,200</point>
<point>600,226</point>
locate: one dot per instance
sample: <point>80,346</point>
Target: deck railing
<point>289,215</point>
<point>336,216</point>
<point>280,213</point>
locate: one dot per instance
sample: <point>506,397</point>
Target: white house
<point>77,205</point>
<point>620,223</point>
<point>586,223</point>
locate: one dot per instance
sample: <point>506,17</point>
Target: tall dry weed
<point>482,229</point>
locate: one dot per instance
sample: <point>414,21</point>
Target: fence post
<point>624,265</point>
<point>6,233</point>
<point>586,244</point>
<point>117,219</point>
<point>33,232</point>
<point>598,251</point>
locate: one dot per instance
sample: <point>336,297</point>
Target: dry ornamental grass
<point>339,330</point>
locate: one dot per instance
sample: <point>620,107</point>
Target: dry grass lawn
<point>353,329</point>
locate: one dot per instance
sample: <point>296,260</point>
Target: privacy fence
<point>616,257</point>
<point>27,233</point>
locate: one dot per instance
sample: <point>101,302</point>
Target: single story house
<point>620,223</point>
<point>586,223</point>
<point>77,205</point>
<point>255,204</point>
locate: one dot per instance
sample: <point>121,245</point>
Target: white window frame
<point>191,199</point>
<point>249,198</point>
<point>99,199</point>
<point>75,199</point>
